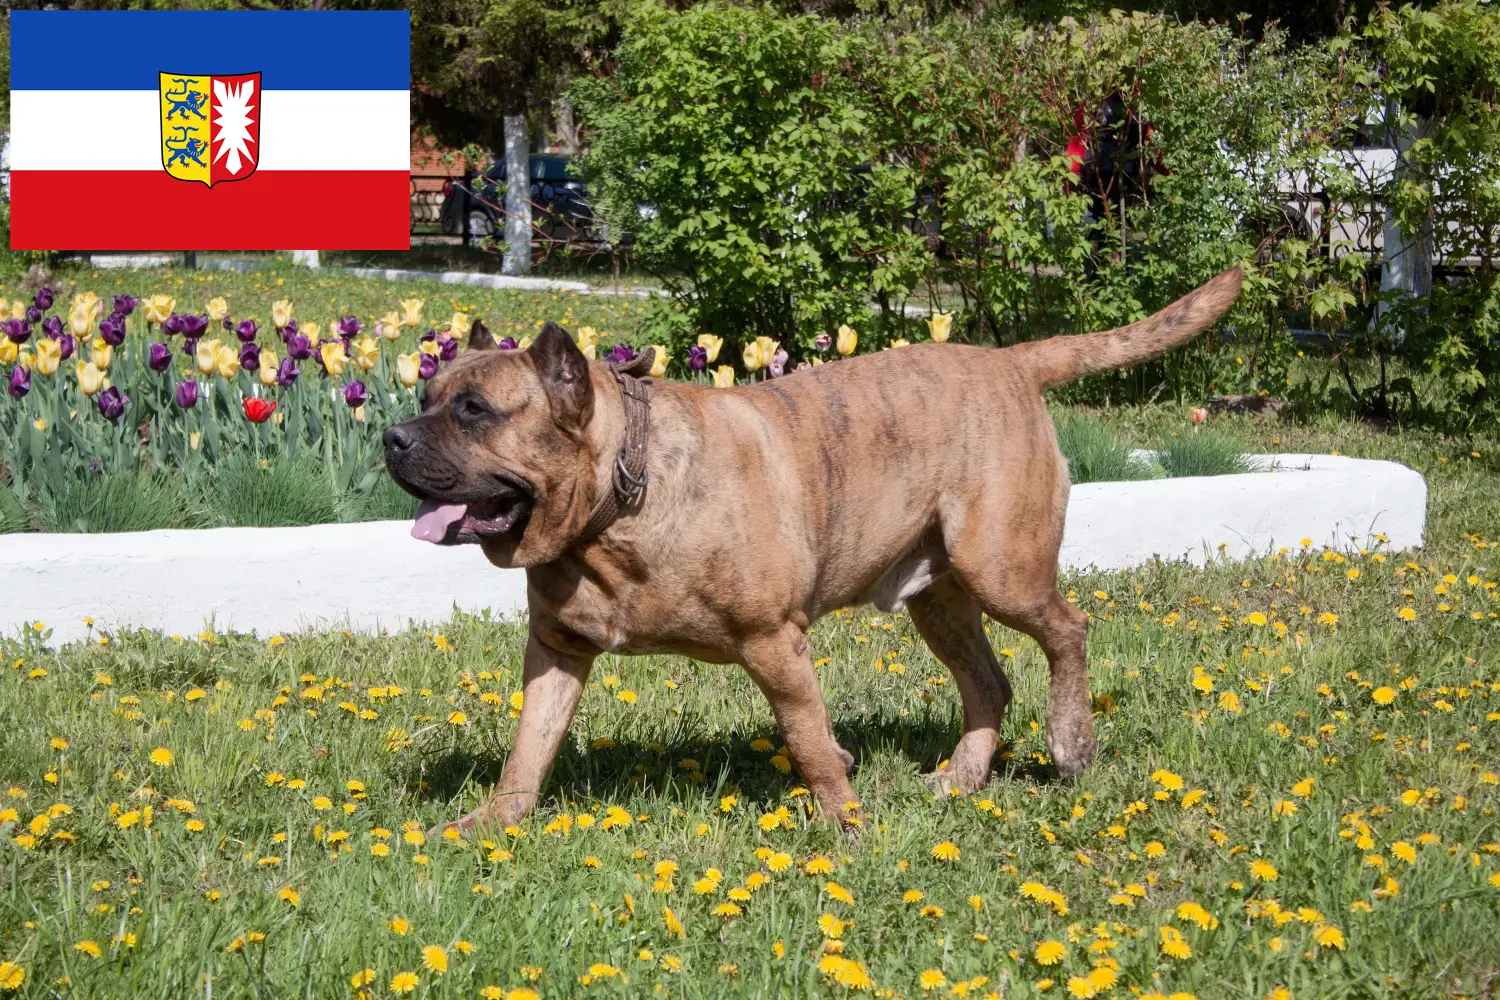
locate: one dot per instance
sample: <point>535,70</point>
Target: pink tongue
<point>434,520</point>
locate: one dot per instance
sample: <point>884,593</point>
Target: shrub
<point>1201,453</point>
<point>1093,453</point>
<point>141,501</point>
<point>291,491</point>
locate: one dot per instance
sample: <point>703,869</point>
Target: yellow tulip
<point>334,358</point>
<point>18,309</point>
<point>194,438</point>
<point>90,378</point>
<point>523,343</point>
<point>281,313</point>
<point>711,344</point>
<point>430,347</point>
<point>588,341</point>
<point>816,361</point>
<point>229,362</point>
<point>359,414</point>
<point>407,367</point>
<point>7,351</point>
<point>898,342</point>
<point>217,308</point>
<point>940,323</point>
<point>460,324</point>
<point>310,331</point>
<point>752,357</point>
<point>767,348</point>
<point>723,377</point>
<point>4,306</point>
<point>847,340</point>
<point>659,361</point>
<point>81,320</point>
<point>48,356</point>
<point>411,311</point>
<point>366,353</point>
<point>268,363</point>
<point>102,353</point>
<point>207,356</point>
<point>25,360</point>
<point>88,300</point>
<point>39,424</point>
<point>389,326</point>
<point>156,308</point>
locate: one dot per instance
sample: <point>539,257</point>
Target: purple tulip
<point>187,394</point>
<point>823,341</point>
<point>778,363</point>
<point>20,381</point>
<point>622,354</point>
<point>189,346</point>
<point>112,329</point>
<point>227,323</point>
<point>112,403</point>
<point>194,326</point>
<point>159,357</point>
<point>250,357</point>
<point>247,330</point>
<point>427,367</point>
<point>172,325</point>
<point>355,394</point>
<point>287,373</point>
<point>697,358</point>
<point>43,299</point>
<point>52,327</point>
<point>508,344</point>
<point>348,326</point>
<point>125,304</point>
<point>289,331</point>
<point>66,345</point>
<point>18,330</point>
<point>33,314</point>
<point>298,348</point>
<point>449,348</point>
<point>431,334</point>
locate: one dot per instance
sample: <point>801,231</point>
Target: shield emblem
<point>210,126</point>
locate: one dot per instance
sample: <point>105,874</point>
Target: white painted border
<point>373,576</point>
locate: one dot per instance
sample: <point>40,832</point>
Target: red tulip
<point>259,410</point>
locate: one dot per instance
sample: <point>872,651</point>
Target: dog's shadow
<point>688,769</point>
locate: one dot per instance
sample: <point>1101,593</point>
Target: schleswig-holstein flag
<point>210,130</point>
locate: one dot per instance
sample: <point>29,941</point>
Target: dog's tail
<point>1058,360</point>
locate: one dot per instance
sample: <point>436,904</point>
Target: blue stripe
<point>294,50</point>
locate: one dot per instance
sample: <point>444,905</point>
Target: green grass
<point>13,516</point>
<point>266,755</point>
<point>144,501</point>
<point>290,492</point>
<point>1093,452</point>
<point>1201,453</point>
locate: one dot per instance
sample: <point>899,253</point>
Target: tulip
<point>898,342</point>
<point>460,324</point>
<point>711,346</point>
<point>171,325</point>
<point>18,331</point>
<point>158,308</point>
<point>89,301</point>
<point>194,438</point>
<point>588,341</point>
<point>767,348</point>
<point>33,314</point>
<point>258,411</point>
<point>125,304</point>
<point>298,348</point>
<point>112,404</point>
<point>281,313</point>
<point>1200,415</point>
<point>18,309</point>
<point>43,299</point>
<point>411,312</point>
<point>81,320</point>
<point>217,308</point>
<point>267,367</point>
<point>90,378</point>
<point>697,358</point>
<point>287,373</point>
<point>430,347</point>
<point>159,357</point>
<point>186,394</point>
<point>366,353</point>
<point>822,342</point>
<point>194,326</point>
<point>20,381</point>
<point>355,394</point>
<point>289,331</point>
<point>66,344</point>
<point>447,348</point>
<point>102,353</point>
<point>249,357</point>
<point>407,367</point>
<point>359,414</point>
<point>332,357</point>
<point>389,326</point>
<point>348,326</point>
<point>207,356</point>
<point>310,331</point>
<point>48,356</point>
<point>523,343</point>
<point>723,377</point>
<point>227,363</point>
<point>113,330</point>
<point>847,341</point>
<point>659,360</point>
<point>189,347</point>
<point>803,366</point>
<point>778,364</point>
<point>427,366</point>
<point>247,330</point>
<point>52,327</point>
<point>508,343</point>
<point>621,354</point>
<point>752,357</point>
<point>940,323</point>
<point>8,351</point>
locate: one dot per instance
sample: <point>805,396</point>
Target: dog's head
<point>499,455</point>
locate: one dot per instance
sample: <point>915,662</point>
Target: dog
<point>926,477</point>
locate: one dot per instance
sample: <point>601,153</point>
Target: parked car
<point>475,206</point>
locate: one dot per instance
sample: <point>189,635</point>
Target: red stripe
<point>269,210</point>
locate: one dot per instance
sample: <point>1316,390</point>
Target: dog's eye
<point>469,408</point>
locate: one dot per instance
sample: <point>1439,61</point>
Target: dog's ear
<point>480,338</point>
<point>565,377</point>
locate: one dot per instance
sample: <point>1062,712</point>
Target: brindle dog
<point>926,477</point>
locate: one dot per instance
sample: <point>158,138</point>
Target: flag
<point>210,130</point>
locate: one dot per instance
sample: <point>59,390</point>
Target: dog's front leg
<point>552,685</point>
<point>780,666</point>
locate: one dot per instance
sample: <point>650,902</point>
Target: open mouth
<point>470,521</point>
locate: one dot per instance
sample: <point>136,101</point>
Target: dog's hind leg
<point>951,623</point>
<point>780,666</point>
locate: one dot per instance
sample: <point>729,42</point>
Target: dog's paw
<point>1072,757</point>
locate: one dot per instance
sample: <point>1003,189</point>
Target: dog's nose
<point>397,439</point>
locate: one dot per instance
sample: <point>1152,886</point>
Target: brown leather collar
<point>628,474</point>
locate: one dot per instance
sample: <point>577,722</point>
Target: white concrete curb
<point>375,575</point>
<point>499,281</point>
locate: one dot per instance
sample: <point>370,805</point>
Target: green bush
<point>1093,453</point>
<point>142,501</point>
<point>1201,453</point>
<point>289,492</point>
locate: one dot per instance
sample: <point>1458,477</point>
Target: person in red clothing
<point>1108,159</point>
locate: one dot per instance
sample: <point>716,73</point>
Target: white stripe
<point>108,130</point>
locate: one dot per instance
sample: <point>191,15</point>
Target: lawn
<point>1295,795</point>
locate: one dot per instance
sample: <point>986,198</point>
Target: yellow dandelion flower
<point>1263,871</point>
<point>403,983</point>
<point>161,757</point>
<point>1049,952</point>
<point>435,958</point>
<point>1383,695</point>
<point>945,851</point>
<point>838,892</point>
<point>932,979</point>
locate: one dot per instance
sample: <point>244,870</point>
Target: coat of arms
<point>210,126</point>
